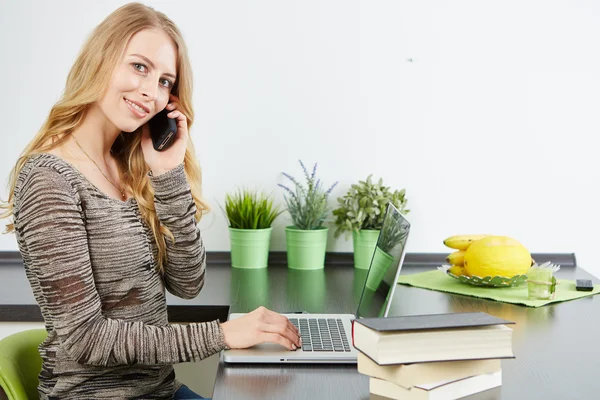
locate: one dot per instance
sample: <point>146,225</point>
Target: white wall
<point>486,112</point>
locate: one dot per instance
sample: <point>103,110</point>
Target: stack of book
<point>439,356</point>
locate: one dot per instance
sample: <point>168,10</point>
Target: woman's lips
<point>135,109</point>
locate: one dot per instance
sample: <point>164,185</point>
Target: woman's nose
<point>148,89</point>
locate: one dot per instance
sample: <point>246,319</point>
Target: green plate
<point>488,281</point>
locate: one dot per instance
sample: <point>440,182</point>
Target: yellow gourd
<point>497,256</point>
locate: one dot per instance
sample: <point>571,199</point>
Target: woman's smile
<point>137,110</point>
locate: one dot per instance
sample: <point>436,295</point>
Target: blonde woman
<point>105,224</point>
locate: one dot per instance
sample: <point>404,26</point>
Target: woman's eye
<point>166,83</point>
<point>139,67</point>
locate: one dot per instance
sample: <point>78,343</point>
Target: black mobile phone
<point>584,285</point>
<point>162,130</point>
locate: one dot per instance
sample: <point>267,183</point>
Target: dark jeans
<point>185,393</point>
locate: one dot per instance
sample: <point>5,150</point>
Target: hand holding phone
<point>165,140</point>
<point>163,130</point>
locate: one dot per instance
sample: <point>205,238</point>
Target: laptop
<point>327,338</point>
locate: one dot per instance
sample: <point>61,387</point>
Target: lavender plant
<point>307,204</point>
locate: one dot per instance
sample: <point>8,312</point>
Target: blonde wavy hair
<point>86,83</point>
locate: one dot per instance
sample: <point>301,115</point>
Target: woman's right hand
<point>260,326</point>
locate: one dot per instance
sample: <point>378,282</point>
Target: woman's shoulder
<point>48,170</point>
<point>50,160</point>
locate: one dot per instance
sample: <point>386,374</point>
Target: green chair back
<point>20,364</point>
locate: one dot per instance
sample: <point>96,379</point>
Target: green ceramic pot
<point>250,247</point>
<point>364,242</point>
<point>306,248</point>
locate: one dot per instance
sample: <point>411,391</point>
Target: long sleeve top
<point>91,262</point>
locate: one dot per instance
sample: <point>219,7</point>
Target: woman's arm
<point>186,257</point>
<point>51,227</point>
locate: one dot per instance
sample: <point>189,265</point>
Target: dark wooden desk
<point>556,346</point>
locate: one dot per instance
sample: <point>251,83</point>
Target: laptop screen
<point>386,262</point>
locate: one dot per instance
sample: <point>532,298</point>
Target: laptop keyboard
<point>322,334</point>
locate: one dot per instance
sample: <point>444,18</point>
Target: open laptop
<point>327,338</point>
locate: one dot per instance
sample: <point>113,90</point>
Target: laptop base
<point>272,353</point>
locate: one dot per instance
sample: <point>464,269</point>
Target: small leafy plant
<point>364,205</point>
<point>248,209</point>
<point>307,205</point>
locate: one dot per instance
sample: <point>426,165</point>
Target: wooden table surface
<point>556,346</point>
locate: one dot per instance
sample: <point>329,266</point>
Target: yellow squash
<point>497,256</point>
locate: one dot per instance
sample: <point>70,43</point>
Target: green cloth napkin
<point>438,280</point>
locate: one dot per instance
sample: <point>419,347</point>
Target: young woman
<point>105,223</point>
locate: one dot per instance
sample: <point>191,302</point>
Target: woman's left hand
<point>163,161</point>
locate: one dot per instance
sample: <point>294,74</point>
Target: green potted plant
<point>306,239</point>
<point>360,212</point>
<point>250,215</point>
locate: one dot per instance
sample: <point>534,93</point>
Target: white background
<point>485,111</point>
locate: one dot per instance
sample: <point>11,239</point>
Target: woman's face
<point>142,81</point>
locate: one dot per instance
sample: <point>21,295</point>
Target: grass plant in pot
<point>360,212</point>
<point>250,215</point>
<point>306,239</point>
